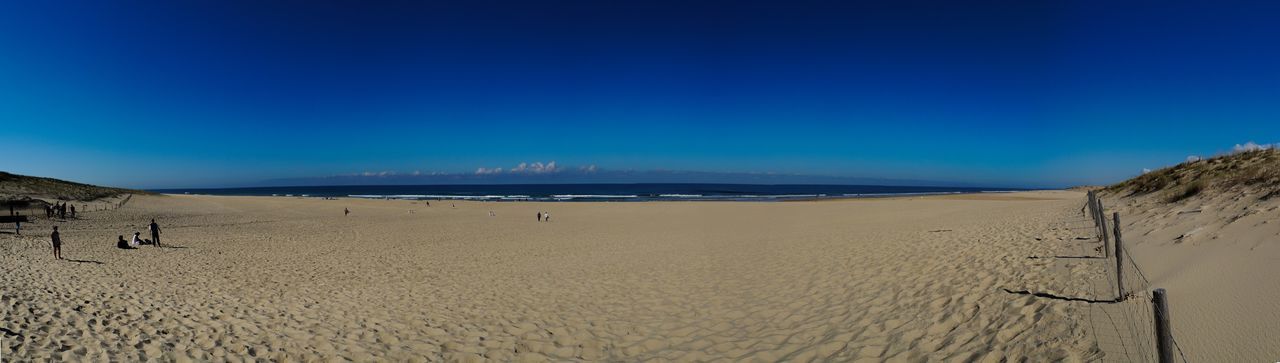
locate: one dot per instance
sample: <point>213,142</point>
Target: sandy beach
<point>885,279</point>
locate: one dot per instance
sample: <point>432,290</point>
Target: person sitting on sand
<point>122,244</point>
<point>137,239</point>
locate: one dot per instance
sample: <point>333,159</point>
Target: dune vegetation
<point>1251,173</point>
<point>14,186</point>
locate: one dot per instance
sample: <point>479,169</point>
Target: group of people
<point>56,239</point>
<point>138,240</point>
<point>59,210</point>
<point>544,216</point>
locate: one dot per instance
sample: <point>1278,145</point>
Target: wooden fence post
<point>1102,223</point>
<point>1088,198</point>
<point>1093,212</point>
<point>1115,226</point>
<point>1102,228</point>
<point>1164,335</point>
<point>1119,259</point>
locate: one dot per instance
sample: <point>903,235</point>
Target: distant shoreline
<point>598,192</point>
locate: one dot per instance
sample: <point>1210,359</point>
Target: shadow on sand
<point>1064,298</point>
<point>10,332</point>
<point>1042,257</point>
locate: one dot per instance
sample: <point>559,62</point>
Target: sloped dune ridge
<point>1208,232</point>
<point>250,278</point>
<point>17,187</point>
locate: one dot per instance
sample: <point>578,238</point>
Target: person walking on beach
<point>346,212</point>
<point>546,216</point>
<point>57,243</point>
<point>155,232</point>
<point>539,216</point>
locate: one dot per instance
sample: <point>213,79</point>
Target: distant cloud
<point>1193,158</point>
<point>1250,146</point>
<point>534,168</point>
<point>588,169</point>
<point>380,173</point>
<point>1145,170</point>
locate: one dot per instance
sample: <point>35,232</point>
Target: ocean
<point>592,192</point>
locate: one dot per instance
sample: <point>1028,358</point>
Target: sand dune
<point>908,279</point>
<point>1217,257</point>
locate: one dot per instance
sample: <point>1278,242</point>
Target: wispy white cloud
<point>535,168</point>
<point>1145,170</point>
<point>1251,146</point>
<point>1193,158</point>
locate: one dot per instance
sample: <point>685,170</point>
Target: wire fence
<point>1128,328</point>
<point>36,209</point>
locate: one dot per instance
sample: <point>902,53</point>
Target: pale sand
<point>1218,256</point>
<point>906,279</point>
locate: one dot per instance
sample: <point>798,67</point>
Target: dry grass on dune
<point>14,186</point>
<point>1252,172</point>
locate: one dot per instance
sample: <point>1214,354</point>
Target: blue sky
<point>1010,93</point>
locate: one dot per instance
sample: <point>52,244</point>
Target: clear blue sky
<point>1030,93</point>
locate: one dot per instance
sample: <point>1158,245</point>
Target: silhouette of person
<point>345,211</point>
<point>57,243</point>
<point>73,211</point>
<point>123,244</point>
<point>539,216</point>
<point>155,233</point>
